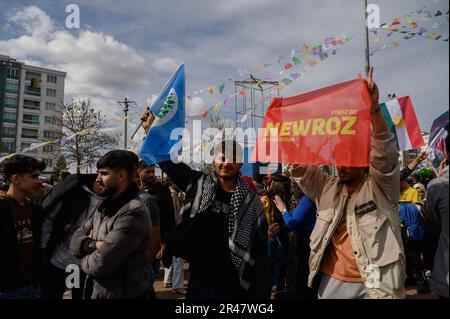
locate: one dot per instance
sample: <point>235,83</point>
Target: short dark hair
<point>119,159</point>
<point>21,164</point>
<point>143,165</point>
<point>259,178</point>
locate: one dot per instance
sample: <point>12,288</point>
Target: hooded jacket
<point>10,274</point>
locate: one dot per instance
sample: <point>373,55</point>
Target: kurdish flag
<point>401,119</point>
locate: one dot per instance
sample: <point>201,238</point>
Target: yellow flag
<point>211,89</point>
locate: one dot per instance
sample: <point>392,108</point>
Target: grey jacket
<point>436,217</point>
<point>120,268</point>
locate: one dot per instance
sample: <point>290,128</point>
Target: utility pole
<point>366,32</point>
<point>125,103</point>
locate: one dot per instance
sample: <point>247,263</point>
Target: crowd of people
<point>305,234</point>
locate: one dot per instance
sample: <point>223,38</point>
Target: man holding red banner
<point>356,244</point>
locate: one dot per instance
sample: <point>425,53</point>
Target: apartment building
<point>30,99</point>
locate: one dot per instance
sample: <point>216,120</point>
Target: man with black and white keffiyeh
<point>221,230</point>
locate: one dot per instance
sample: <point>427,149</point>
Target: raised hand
<point>279,203</point>
<point>422,156</point>
<point>373,89</point>
<point>147,119</point>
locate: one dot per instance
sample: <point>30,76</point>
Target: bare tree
<point>91,141</point>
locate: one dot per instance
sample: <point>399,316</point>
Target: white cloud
<point>165,65</point>
<point>95,63</point>
<point>33,20</point>
<point>195,105</point>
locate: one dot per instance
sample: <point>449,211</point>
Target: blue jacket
<point>303,217</point>
<point>410,216</point>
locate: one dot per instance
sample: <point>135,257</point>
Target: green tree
<point>60,166</point>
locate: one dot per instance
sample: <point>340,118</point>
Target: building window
<point>51,78</point>
<point>50,107</point>
<point>9,117</point>
<point>12,88</point>
<point>32,90</point>
<point>12,73</point>
<point>27,145</point>
<point>30,119</point>
<point>29,133</point>
<point>32,75</point>
<point>49,120</point>
<point>9,132</point>
<point>51,92</point>
<point>11,102</point>
<point>48,148</point>
<point>8,147</point>
<point>48,163</point>
<point>49,134</point>
<point>31,105</point>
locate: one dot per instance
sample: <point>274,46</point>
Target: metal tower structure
<point>252,99</point>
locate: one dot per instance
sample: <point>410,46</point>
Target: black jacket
<point>10,276</point>
<point>161,195</point>
<point>183,238</point>
<point>73,199</point>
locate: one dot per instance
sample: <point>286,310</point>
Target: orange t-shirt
<point>339,261</point>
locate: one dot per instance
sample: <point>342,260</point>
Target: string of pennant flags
<point>130,117</point>
<point>411,26</point>
<point>289,70</point>
<point>61,141</point>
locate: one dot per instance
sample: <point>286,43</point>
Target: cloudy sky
<point>130,48</point>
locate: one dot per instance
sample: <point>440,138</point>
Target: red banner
<point>329,126</point>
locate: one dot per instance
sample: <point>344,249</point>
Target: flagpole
<point>148,108</point>
<point>366,32</point>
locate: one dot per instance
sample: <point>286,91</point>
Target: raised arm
<point>405,172</point>
<point>384,165</point>
<point>310,179</point>
<point>180,173</point>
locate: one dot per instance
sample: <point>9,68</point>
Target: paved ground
<point>166,293</point>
